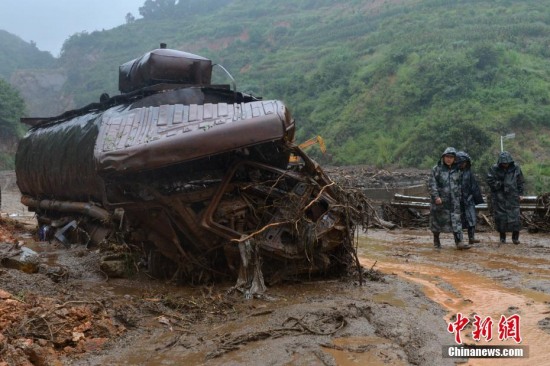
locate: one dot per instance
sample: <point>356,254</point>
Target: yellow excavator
<point>295,159</point>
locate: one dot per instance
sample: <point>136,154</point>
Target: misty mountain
<point>16,54</point>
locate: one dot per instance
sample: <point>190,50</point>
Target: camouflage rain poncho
<point>506,188</point>
<point>445,182</point>
<point>471,193</point>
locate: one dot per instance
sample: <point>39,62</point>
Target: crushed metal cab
<point>195,173</point>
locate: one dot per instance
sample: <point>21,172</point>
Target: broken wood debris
<point>413,211</point>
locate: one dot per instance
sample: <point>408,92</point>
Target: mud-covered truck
<point>194,173</point>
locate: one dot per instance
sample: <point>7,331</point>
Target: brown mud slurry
<point>313,323</point>
<point>398,320</point>
<point>330,322</point>
<point>491,279</point>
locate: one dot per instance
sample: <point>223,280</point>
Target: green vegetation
<point>385,83</point>
<point>17,54</point>
<point>11,110</point>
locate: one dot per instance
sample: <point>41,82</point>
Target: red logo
<point>457,326</point>
<point>483,328</point>
<point>508,327</point>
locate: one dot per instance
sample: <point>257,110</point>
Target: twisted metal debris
<point>195,174</point>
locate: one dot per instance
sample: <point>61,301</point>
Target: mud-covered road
<point>71,313</point>
<point>490,280</point>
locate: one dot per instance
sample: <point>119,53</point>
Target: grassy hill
<point>385,82</point>
<point>17,54</point>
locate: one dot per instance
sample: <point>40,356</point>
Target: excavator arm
<point>310,142</point>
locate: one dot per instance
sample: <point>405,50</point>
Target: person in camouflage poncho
<point>506,182</point>
<point>444,187</point>
<point>471,195</point>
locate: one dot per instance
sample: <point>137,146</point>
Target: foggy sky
<point>50,22</point>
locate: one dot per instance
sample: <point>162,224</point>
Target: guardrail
<point>529,203</point>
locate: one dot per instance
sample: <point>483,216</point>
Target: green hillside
<point>12,108</point>
<point>17,54</point>
<point>389,83</point>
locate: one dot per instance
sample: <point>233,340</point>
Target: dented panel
<point>149,137</point>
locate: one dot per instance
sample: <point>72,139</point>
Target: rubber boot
<point>503,237</point>
<point>459,243</point>
<point>437,242</point>
<point>515,237</point>
<point>472,234</point>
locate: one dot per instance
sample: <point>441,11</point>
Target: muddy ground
<point>67,311</point>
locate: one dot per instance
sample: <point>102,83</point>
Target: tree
<point>12,108</point>
<point>130,18</point>
<point>154,9</point>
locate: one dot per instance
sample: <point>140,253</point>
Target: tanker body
<point>194,173</point>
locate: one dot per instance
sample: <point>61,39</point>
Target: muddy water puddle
<point>256,331</point>
<point>372,355</point>
<point>468,282</point>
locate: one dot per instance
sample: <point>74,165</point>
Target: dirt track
<point>77,316</point>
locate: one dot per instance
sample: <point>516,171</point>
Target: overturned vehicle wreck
<point>194,173</point>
